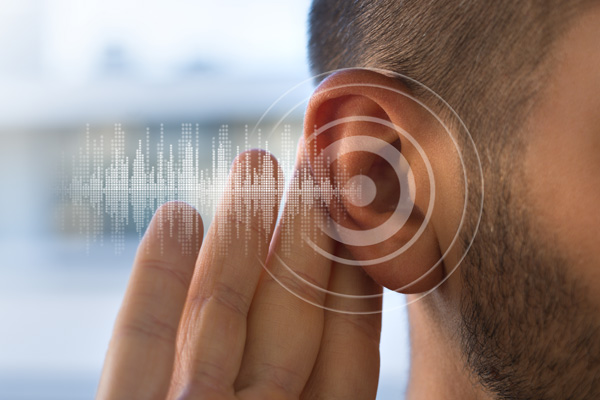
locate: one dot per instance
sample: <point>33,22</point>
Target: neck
<point>437,368</point>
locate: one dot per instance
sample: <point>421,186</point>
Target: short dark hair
<point>487,59</point>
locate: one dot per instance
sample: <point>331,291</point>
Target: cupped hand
<point>202,319</point>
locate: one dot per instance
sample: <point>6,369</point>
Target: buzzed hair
<point>487,59</point>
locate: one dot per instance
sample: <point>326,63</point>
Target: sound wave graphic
<point>112,195</point>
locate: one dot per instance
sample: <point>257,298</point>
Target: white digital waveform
<point>109,195</point>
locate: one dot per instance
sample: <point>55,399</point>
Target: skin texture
<point>212,324</point>
<point>528,323</point>
<point>563,163</point>
<point>519,319</point>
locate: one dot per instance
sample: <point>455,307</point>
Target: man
<point>519,319</point>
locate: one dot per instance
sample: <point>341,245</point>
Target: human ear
<point>372,141</point>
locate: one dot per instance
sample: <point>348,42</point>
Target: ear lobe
<point>352,142</point>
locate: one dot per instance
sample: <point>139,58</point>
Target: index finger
<point>139,360</point>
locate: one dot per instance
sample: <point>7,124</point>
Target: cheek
<point>562,170</point>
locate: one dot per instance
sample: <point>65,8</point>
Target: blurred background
<point>69,64</point>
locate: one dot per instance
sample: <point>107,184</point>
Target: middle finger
<point>284,328</point>
<point>213,327</point>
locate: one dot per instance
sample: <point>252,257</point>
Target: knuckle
<point>146,325</point>
<point>226,296</point>
<point>166,270</point>
<point>206,382</point>
<point>303,286</point>
<point>231,297</point>
<point>282,383</point>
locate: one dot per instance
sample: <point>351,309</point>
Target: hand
<point>215,325</point>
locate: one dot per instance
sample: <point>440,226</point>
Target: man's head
<point>523,77</point>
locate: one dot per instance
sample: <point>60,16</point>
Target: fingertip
<point>176,226</point>
<point>256,160</point>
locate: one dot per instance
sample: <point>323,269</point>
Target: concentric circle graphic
<point>368,190</point>
<point>404,205</point>
<point>471,177</point>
